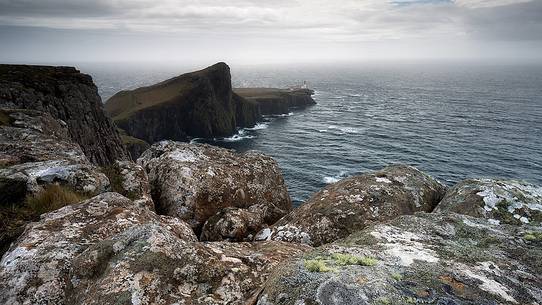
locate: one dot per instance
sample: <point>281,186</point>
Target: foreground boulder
<point>197,104</point>
<point>351,204</point>
<point>500,201</point>
<point>107,250</point>
<point>420,259</point>
<point>194,182</point>
<point>67,95</point>
<point>39,267</point>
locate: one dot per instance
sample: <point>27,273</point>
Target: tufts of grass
<point>383,301</point>
<point>397,276</point>
<point>317,265</point>
<point>53,197</point>
<point>347,259</point>
<point>532,236</point>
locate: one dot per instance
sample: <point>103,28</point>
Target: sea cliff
<point>198,104</point>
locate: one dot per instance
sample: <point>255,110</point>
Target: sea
<point>451,120</point>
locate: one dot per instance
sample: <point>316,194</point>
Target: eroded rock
<point>500,201</point>
<point>150,265</point>
<point>130,180</point>
<point>417,259</point>
<point>351,204</point>
<point>35,150</point>
<point>194,182</point>
<point>39,267</point>
<point>233,224</point>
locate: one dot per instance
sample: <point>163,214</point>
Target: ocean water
<point>451,121</point>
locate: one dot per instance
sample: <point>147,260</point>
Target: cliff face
<point>67,95</point>
<point>197,104</point>
<point>277,101</point>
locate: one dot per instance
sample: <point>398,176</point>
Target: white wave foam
<point>333,179</point>
<point>258,126</point>
<point>237,137</point>
<point>195,140</point>
<point>343,129</point>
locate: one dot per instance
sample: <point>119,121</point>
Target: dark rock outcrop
<point>500,201</point>
<point>135,146</point>
<point>197,104</point>
<point>195,181</point>
<point>67,95</point>
<point>277,101</point>
<point>353,203</point>
<point>36,154</point>
<point>417,259</point>
<point>113,252</point>
<point>35,151</point>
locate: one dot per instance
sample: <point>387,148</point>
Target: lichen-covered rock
<point>351,204</point>
<point>35,150</point>
<point>130,180</point>
<point>417,259</point>
<point>194,182</point>
<point>31,136</point>
<point>67,95</point>
<point>148,264</point>
<point>39,267</point>
<point>501,201</point>
<point>233,224</point>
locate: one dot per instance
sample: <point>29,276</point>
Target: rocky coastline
<point>199,104</point>
<point>81,223</point>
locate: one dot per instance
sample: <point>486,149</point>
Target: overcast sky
<point>258,31</point>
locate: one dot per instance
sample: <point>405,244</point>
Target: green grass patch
<point>533,236</point>
<point>397,276</point>
<point>347,259</point>
<point>317,265</point>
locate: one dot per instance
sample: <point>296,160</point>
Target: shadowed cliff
<point>67,95</point>
<point>197,104</point>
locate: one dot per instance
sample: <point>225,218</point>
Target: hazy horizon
<point>248,32</point>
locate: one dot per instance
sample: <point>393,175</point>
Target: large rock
<point>67,95</point>
<point>501,201</point>
<point>151,265</point>
<point>37,155</point>
<point>194,182</point>
<point>109,251</point>
<point>130,179</point>
<point>420,259</point>
<point>40,268</point>
<point>351,204</point>
<point>277,101</point>
<point>35,150</point>
<point>234,224</point>
<point>197,104</point>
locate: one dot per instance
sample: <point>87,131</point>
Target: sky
<point>272,31</point>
